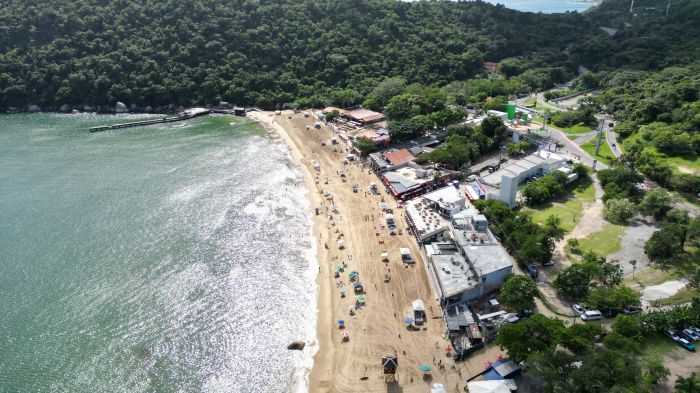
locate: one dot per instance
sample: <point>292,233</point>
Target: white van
<point>591,315</point>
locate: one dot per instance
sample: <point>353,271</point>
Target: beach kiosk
<point>405,255</point>
<point>418,311</point>
<point>389,366</point>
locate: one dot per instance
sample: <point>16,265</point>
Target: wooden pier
<point>188,114</point>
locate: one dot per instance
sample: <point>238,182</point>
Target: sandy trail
<point>376,329</point>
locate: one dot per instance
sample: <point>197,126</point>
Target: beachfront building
<point>411,180</point>
<point>428,215</point>
<point>389,160</point>
<point>471,264</point>
<point>503,183</point>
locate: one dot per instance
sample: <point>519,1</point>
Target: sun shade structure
<point>425,368</point>
<point>408,320</point>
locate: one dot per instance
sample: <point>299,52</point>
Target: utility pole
<point>600,136</point>
<point>631,6</point>
<point>668,7</point>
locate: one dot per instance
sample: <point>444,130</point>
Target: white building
<point>428,214</point>
<point>504,182</point>
<point>471,265</point>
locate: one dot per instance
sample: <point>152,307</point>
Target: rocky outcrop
<point>33,108</point>
<point>65,108</point>
<point>120,108</point>
<point>296,346</point>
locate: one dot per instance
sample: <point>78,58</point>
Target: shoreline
<point>376,329</point>
<point>266,120</point>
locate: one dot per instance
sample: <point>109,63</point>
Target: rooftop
<point>364,115</point>
<point>453,272</point>
<point>396,157</point>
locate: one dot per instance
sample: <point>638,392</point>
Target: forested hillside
<point>312,52</point>
<point>256,52</point>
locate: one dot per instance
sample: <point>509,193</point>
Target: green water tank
<point>526,117</point>
<point>510,109</point>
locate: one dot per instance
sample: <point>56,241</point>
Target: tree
<point>573,282</point>
<point>455,152</point>
<point>609,273</point>
<point>330,116</point>
<point>688,384</point>
<point>518,292</point>
<point>654,370</point>
<point>619,211</point>
<point>655,202</point>
<point>537,334</point>
<point>612,299</point>
<point>580,338</point>
<point>493,127</point>
<point>383,92</point>
<point>364,145</point>
<point>664,243</point>
<point>627,326</point>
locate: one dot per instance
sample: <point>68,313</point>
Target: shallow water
<point>151,259</point>
<point>546,6</point>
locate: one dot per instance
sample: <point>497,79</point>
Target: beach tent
<point>438,388</point>
<point>418,305</point>
<point>488,387</point>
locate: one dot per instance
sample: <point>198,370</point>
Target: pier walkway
<point>188,114</point>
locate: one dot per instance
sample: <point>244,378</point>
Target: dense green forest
<point>264,53</point>
<point>316,52</point>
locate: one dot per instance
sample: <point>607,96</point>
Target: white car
<point>590,315</point>
<point>578,308</point>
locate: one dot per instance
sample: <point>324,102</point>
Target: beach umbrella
<point>361,298</point>
<point>425,368</point>
<point>353,273</point>
<point>385,254</point>
<point>341,322</point>
<point>345,334</point>
<point>357,285</point>
<point>408,320</point>
<point>448,349</point>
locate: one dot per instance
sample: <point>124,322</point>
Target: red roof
<point>364,115</point>
<point>397,157</point>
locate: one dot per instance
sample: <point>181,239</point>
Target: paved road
<point>583,138</point>
<point>611,136</point>
<point>570,147</point>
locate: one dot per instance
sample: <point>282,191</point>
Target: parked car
<point>531,269</point>
<point>548,262</point>
<point>578,308</point>
<point>610,313</point>
<point>591,315</point>
<point>672,335</point>
<point>686,344</point>
<point>696,330</point>
<point>690,335</point>
<point>630,310</point>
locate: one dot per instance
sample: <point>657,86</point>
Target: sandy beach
<point>377,329</point>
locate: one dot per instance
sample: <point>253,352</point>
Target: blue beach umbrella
<point>408,320</point>
<point>341,322</point>
<point>425,368</point>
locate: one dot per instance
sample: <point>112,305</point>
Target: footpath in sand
<point>377,329</point>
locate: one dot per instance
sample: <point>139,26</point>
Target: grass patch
<point>604,242</point>
<point>687,163</point>
<point>568,208</point>
<point>650,275</point>
<point>660,345</point>
<point>683,296</point>
<point>605,153</point>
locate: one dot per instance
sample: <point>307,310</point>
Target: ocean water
<point>154,259</point>
<point>546,6</point>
